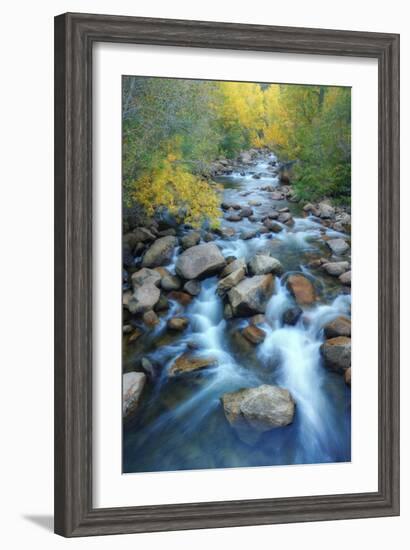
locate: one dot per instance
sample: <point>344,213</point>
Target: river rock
<point>233,217</point>
<point>253,411</point>
<point>245,157</point>
<point>285,217</point>
<point>177,323</point>
<point>251,295</point>
<point>187,362</point>
<point>301,289</point>
<point>191,239</point>
<point>257,319</point>
<point>338,246</point>
<point>277,196</point>
<point>200,261</point>
<point>336,268</point>
<point>225,232</point>
<point>271,214</point>
<point>168,281</point>
<point>253,334</point>
<point>348,376</point>
<point>326,211</point>
<point>142,299</point>
<point>346,278</point>
<point>272,225</point>
<point>181,297</point>
<point>192,287</point>
<point>237,263</point>
<point>246,211</point>
<point>145,276</point>
<point>292,315</point>
<point>230,281</point>
<point>261,264</point>
<point>134,336</point>
<point>247,234</point>
<point>150,318</point>
<point>160,252</point>
<point>341,326</point>
<point>132,385</point>
<point>336,353</point>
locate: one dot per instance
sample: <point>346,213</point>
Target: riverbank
<point>237,340</point>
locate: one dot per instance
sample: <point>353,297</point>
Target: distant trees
<point>173,129</point>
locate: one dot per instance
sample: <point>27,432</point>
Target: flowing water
<point>180,423</point>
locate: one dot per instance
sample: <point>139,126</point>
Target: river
<point>180,423</point>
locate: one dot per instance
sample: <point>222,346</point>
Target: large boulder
<point>336,353</point>
<point>253,411</point>
<point>132,385</point>
<point>200,261</point>
<point>338,246</point>
<point>261,264</point>
<point>160,252</point>
<point>341,326</point>
<point>302,289</point>
<point>230,281</point>
<point>251,295</point>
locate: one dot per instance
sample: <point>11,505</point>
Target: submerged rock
<point>177,323</point>
<point>302,289</point>
<point>160,252</point>
<point>292,315</point>
<point>200,261</point>
<point>187,362</point>
<point>132,385</point>
<point>253,411</point>
<point>251,295</point>
<point>336,353</point>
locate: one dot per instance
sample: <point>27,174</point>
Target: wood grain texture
<point>74,38</point>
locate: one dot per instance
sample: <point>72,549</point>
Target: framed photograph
<point>226,274</point>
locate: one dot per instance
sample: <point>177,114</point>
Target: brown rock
<point>182,297</point>
<point>336,353</point>
<point>348,376</point>
<point>177,323</point>
<point>341,326</point>
<point>187,362</point>
<point>254,334</point>
<point>302,289</point>
<point>150,318</point>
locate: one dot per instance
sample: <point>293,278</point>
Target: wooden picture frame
<point>75,35</point>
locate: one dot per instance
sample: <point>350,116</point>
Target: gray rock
<point>253,411</point>
<point>237,263</point>
<point>346,278</point>
<point>261,264</point>
<point>230,281</point>
<point>169,281</point>
<point>143,299</point>
<point>247,234</point>
<point>145,276</point>
<point>191,239</point>
<point>160,252</point>
<point>251,295</point>
<point>326,211</point>
<point>336,268</point>
<point>338,246</point>
<point>192,287</point>
<point>132,385</point>
<point>200,261</point>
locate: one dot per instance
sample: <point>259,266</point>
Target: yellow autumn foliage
<point>185,195</point>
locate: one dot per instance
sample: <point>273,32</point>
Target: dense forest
<point>173,130</point>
